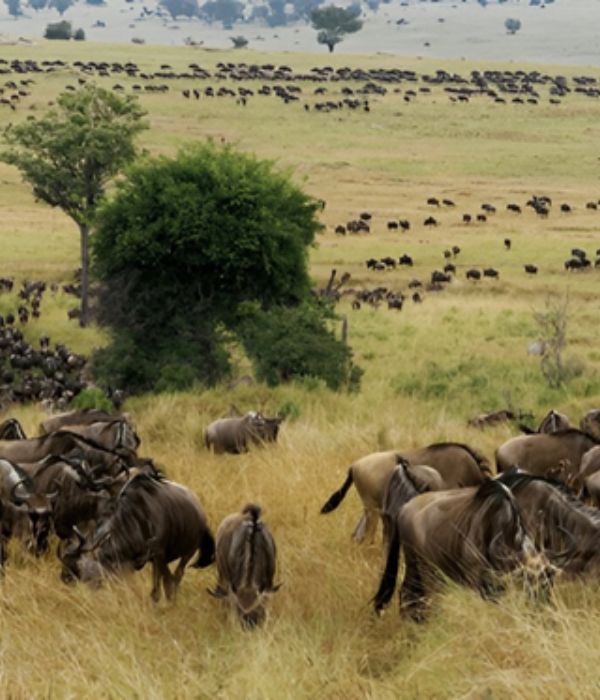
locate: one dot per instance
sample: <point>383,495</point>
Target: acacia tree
<point>14,7</point>
<point>197,249</point>
<point>333,23</point>
<point>185,8</point>
<point>61,5</point>
<point>70,154</point>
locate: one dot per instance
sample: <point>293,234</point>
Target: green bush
<point>79,35</point>
<point>182,243</point>
<point>92,398</point>
<point>290,343</point>
<point>59,30</point>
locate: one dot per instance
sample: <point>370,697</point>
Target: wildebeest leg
<point>156,576</point>
<point>177,576</point>
<point>359,530</point>
<point>168,580</point>
<point>412,591</point>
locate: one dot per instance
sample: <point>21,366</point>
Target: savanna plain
<point>427,369</point>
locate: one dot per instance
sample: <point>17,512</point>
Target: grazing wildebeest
<point>561,526</point>
<point>491,272</point>
<point>467,218</point>
<point>531,269</point>
<point>11,429</point>
<point>155,521</point>
<point>507,243</point>
<point>473,274</point>
<point>541,454</point>
<point>471,535</point>
<point>494,418</point>
<point>430,221</point>
<point>405,260</point>
<point>458,465</point>
<point>24,509</point>
<point>246,559</point>
<point>552,422</point>
<point>234,435</point>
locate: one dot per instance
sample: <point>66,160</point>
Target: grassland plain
<point>427,368</point>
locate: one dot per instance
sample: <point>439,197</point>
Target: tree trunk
<point>330,47</point>
<point>84,232</point>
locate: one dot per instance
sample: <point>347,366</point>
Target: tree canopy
<point>181,250</point>
<point>333,23</point>
<point>70,154</point>
<point>177,8</point>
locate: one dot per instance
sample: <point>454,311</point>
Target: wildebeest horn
<point>80,535</point>
<point>13,494</point>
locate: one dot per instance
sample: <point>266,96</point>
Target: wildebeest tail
<point>253,510</point>
<point>336,498</point>
<point>526,429</point>
<point>390,573</point>
<point>207,550</point>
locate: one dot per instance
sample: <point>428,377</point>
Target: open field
<point>428,368</point>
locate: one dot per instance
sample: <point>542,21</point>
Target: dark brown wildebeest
<point>471,535</point>
<point>86,417</point>
<point>562,527</point>
<point>507,243</point>
<point>458,465</point>
<point>590,423</point>
<point>155,521</point>
<point>531,269</point>
<point>473,274</point>
<point>26,512</point>
<point>542,454</point>
<point>494,418</point>
<point>116,435</point>
<point>588,478</point>
<point>11,429</point>
<point>246,559</point>
<point>234,435</point>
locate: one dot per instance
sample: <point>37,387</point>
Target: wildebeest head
<point>590,423</point>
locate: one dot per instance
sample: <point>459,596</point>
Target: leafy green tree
<point>181,8</point>
<point>181,248</point>
<point>239,42</point>
<point>333,23</point>
<point>61,5</point>
<point>512,25</point>
<point>228,12</point>
<point>14,7</point>
<point>70,154</point>
<point>38,4</point>
<point>79,35</point>
<point>59,31</point>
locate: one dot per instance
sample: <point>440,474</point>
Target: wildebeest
<point>531,269</point>
<point>458,465</point>
<point>115,435</point>
<point>541,454</point>
<point>473,274</point>
<point>494,418</point>
<point>491,272</point>
<point>11,429</point>
<point>552,422</point>
<point>234,435</point>
<point>470,535</point>
<point>155,521</point>
<point>85,417</point>
<point>561,526</point>
<point>246,559</point>
<point>507,243</point>
<point>590,423</point>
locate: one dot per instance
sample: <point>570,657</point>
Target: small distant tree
<point>333,23</point>
<point>70,154</point>
<point>79,35</point>
<point>61,5</point>
<point>512,25</point>
<point>38,4</point>
<point>239,42</point>
<point>59,30</point>
<point>181,8</point>
<point>228,12</point>
<point>14,7</point>
<point>95,3</point>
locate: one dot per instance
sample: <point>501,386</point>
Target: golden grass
<point>427,370</point>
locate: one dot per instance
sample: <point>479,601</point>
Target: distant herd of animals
<point>82,481</point>
<point>579,260</point>
<point>517,87</point>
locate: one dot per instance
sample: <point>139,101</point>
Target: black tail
<point>336,498</point>
<point>253,510</point>
<point>207,550</point>
<point>526,429</point>
<point>390,574</point>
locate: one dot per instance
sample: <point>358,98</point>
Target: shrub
<point>59,30</point>
<point>79,35</point>
<point>512,25</point>
<point>92,398</point>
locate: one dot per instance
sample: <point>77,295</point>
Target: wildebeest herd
<point>113,511</point>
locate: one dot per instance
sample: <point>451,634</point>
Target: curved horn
<point>80,536</point>
<point>13,494</point>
